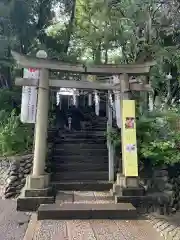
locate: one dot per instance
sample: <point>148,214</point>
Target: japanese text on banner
<point>129,143</point>
<point>29,98</point>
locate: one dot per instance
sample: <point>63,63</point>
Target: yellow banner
<point>129,143</point>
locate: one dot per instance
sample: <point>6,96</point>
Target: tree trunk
<point>98,54</point>
<point>106,56</point>
<point>70,26</point>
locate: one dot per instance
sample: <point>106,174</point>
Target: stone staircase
<point>80,177</point>
<point>86,205</point>
<point>80,159</point>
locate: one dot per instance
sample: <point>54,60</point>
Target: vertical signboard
<point>129,143</point>
<point>29,98</point>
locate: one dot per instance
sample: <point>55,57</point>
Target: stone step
<point>81,132</point>
<point>137,200</point>
<point>87,164</point>
<point>102,118</point>
<point>84,134</point>
<point>80,158</point>
<point>30,204</point>
<point>82,186</point>
<point>81,145</point>
<point>96,128</point>
<point>80,166</point>
<point>101,128</point>
<point>70,211</point>
<point>84,197</point>
<point>70,140</point>
<point>80,176</point>
<point>80,152</point>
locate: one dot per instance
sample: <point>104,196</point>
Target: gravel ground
<point>13,224</point>
<point>167,226</point>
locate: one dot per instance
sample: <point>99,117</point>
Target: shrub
<point>15,137</point>
<point>158,137</point>
<point>10,99</point>
<point>114,136</point>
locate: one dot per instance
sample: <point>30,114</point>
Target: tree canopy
<point>100,31</point>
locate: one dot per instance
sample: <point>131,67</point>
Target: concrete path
<point>91,230</point>
<point>13,224</point>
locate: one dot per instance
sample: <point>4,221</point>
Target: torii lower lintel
<point>84,85</point>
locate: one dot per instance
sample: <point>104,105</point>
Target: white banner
<point>97,100</point>
<point>117,104</point>
<point>114,110</point>
<point>118,109</point>
<point>29,98</point>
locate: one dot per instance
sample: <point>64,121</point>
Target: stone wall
<point>174,179</point>
<point>161,183</point>
<point>164,185</point>
<point>14,170</point>
<point>13,173</point>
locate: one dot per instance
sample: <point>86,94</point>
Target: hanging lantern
<point>58,98</point>
<point>111,99</point>
<point>74,99</point>
<point>90,99</point>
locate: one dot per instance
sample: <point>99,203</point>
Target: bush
<point>115,137</point>
<point>158,137</point>
<point>10,99</point>
<point>15,137</point>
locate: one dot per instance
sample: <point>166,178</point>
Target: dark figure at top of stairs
<point>76,117</point>
<point>61,118</point>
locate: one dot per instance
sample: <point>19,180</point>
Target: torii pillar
<point>127,180</point>
<point>38,182</point>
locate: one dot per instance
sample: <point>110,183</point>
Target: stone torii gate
<point>37,184</point>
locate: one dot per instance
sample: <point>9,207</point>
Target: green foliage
<point>111,31</point>
<point>158,138</point>
<point>114,136</point>
<point>15,137</point>
<point>9,99</point>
